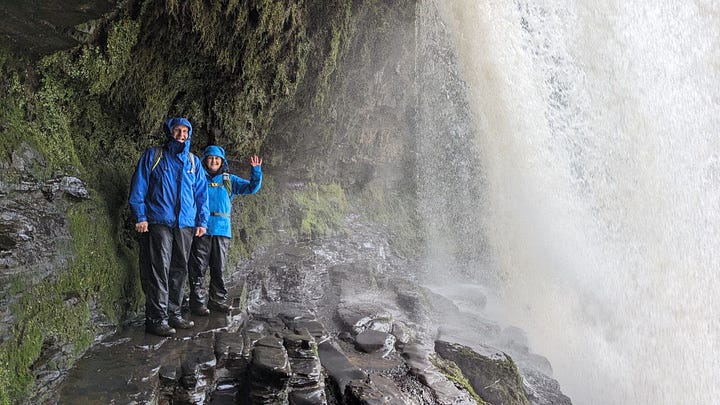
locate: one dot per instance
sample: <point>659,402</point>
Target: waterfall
<point>574,155</point>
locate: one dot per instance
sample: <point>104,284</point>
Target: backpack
<point>159,154</point>
<point>226,183</point>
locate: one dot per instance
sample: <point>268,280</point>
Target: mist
<point>580,179</point>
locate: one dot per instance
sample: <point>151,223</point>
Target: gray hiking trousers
<point>164,254</point>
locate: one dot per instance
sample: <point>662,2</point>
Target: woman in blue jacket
<point>210,250</point>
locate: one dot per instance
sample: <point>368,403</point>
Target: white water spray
<point>600,151</point>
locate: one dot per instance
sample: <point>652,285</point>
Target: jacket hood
<point>169,124</point>
<point>214,150</point>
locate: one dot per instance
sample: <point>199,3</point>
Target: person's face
<point>213,163</point>
<point>180,133</point>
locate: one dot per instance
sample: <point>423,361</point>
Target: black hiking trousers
<point>208,251</point>
<point>164,253</point>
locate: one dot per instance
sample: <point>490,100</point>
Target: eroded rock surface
<point>321,326</point>
<point>34,232</point>
<point>41,27</point>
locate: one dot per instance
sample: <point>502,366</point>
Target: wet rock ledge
<point>280,355</point>
<point>321,325</point>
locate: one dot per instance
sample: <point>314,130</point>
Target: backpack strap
<point>227,183</point>
<point>158,156</point>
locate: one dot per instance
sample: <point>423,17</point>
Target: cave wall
<point>323,90</point>
<point>361,132</point>
<point>40,27</point>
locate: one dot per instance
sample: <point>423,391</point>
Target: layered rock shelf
<point>318,326</point>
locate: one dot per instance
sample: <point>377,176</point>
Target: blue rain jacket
<point>218,198</point>
<point>172,194</point>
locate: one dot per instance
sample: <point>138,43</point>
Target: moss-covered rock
<point>59,317</point>
<point>317,209</point>
<point>454,374</point>
<point>351,121</point>
<point>494,376</point>
<point>285,79</point>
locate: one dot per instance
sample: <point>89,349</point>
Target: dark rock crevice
<point>38,28</point>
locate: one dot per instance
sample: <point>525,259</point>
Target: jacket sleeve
<point>201,195</point>
<point>139,185</point>
<point>242,186</point>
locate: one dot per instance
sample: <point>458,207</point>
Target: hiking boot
<point>180,323</point>
<point>201,310</point>
<point>219,307</point>
<point>159,329</point>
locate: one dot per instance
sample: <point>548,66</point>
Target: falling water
<point>592,175</point>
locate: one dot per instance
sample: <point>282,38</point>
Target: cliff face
<point>328,92</point>
<point>37,28</point>
<point>320,89</point>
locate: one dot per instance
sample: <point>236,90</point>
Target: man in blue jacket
<point>211,249</point>
<point>169,199</point>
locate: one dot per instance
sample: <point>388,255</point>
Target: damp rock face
<point>494,376</point>
<point>373,341</point>
<point>418,361</point>
<point>352,341</point>
<point>41,27</point>
<point>307,383</point>
<point>33,227</point>
<point>269,371</point>
<point>35,241</point>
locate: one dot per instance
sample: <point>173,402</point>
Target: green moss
<point>454,374</point>
<point>59,310</point>
<point>12,111</point>
<point>16,285</point>
<point>251,221</point>
<point>318,209</point>
<point>229,65</point>
<point>500,374</point>
<point>339,40</point>
<point>95,67</point>
<point>20,104</point>
<point>4,381</point>
<point>41,116</point>
<point>396,210</point>
<point>53,129</point>
<point>275,214</point>
<point>116,284</point>
<point>226,65</point>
